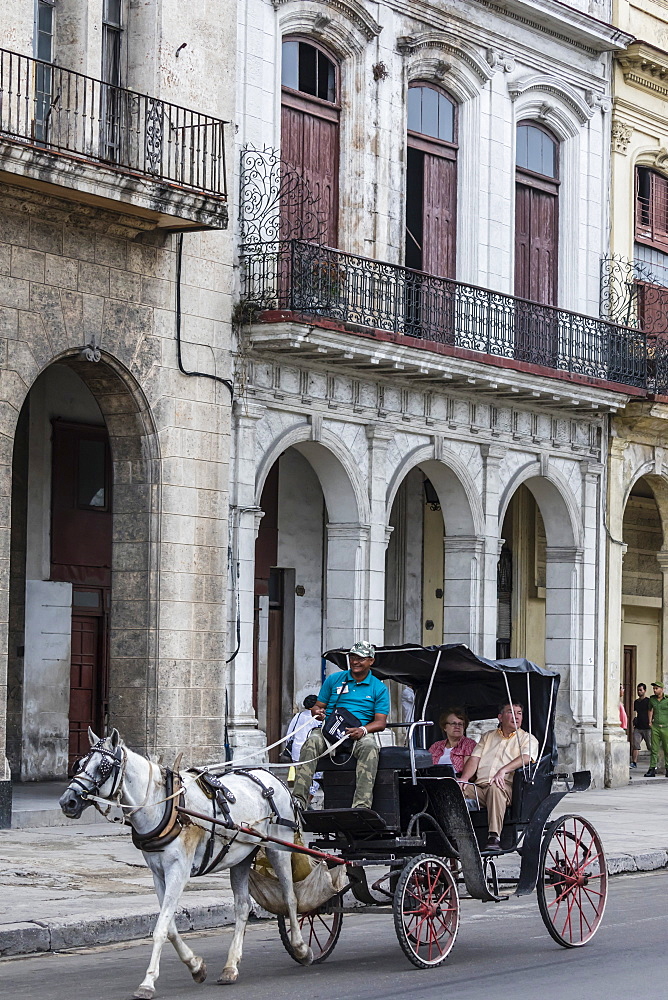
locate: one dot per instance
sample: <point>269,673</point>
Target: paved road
<point>502,951</point>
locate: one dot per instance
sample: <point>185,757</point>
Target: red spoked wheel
<point>572,881</point>
<point>320,929</point>
<point>426,911</point>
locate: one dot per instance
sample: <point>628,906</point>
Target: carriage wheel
<point>426,911</point>
<point>572,881</point>
<point>320,929</point>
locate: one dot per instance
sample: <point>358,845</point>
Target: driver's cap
<point>363,650</point>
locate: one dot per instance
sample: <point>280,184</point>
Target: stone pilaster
<point>461,589</point>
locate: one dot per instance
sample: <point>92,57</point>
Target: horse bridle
<point>112,760</point>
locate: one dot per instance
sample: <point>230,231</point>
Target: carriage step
<point>343,821</point>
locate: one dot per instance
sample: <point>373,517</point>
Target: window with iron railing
<point>651,208</point>
<point>44,51</point>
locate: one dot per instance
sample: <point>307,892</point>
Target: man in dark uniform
<point>641,727</point>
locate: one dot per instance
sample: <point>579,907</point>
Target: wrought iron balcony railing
<point>57,109</point>
<point>635,294</point>
<point>308,279</point>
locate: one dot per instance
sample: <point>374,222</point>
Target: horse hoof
<point>199,974</point>
<point>307,959</point>
<point>144,993</point>
<point>228,976</point>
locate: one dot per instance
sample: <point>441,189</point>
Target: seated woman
<point>456,748</point>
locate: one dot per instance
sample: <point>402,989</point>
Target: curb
<point>37,937</point>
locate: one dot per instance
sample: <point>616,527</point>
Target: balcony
<point>407,318</point>
<point>110,146</point>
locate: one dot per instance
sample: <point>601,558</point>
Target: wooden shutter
<point>659,210</point>
<point>536,228</point>
<point>310,146</point>
<point>439,214</point>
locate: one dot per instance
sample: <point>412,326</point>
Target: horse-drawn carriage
<point>419,831</point>
<point>425,837</point>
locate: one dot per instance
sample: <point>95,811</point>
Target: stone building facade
<point>115,293</point>
<point>420,432</point>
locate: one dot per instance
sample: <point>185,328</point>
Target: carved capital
<point>621,136</point>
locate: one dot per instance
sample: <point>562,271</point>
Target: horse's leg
<point>173,878</point>
<point>194,962</point>
<point>280,862</point>
<point>239,883</point>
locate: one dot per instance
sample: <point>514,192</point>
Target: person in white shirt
<point>300,722</point>
<point>493,762</point>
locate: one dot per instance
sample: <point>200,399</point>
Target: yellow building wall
<point>641,628</point>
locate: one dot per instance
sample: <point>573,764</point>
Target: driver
<point>365,697</point>
<point>493,762</point>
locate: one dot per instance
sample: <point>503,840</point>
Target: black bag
<point>285,756</point>
<point>334,727</point>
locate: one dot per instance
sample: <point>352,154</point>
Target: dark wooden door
<point>536,247</point>
<point>630,660</point>
<point>85,682</point>
<point>439,208</point>
<point>310,151</point>
<point>275,662</point>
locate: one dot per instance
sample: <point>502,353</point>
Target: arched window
<point>310,133</point>
<point>652,208</point>
<point>431,180</point>
<point>536,213</point>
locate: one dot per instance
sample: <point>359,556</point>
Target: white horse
<point>116,776</point>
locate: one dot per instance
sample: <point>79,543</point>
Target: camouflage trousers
<point>365,752</point>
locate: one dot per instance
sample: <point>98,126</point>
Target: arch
<point>558,507</point>
<point>133,621</point>
<point>345,493</point>
<point>437,55</point>
<point>344,36</point>
<point>659,485</point>
<point>569,111</point>
<point>453,484</point>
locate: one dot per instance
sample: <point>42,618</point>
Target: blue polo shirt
<point>364,699</point>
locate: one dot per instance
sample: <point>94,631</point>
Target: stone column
<point>614,738</point>
<point>562,629</point>
<point>662,559</point>
<point>492,455</point>
<point>379,532</point>
<point>346,598</point>
<point>464,567</point>
<point>245,519</point>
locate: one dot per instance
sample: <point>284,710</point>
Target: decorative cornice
<point>645,66</point>
<point>563,22</point>
<point>353,11</point>
<point>407,44</point>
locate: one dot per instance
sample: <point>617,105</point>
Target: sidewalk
<point>81,885</point>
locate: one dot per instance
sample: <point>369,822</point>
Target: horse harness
<point>172,821</point>
<point>112,761</point>
<point>221,797</point>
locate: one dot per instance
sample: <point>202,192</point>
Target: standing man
<point>658,720</point>
<point>365,697</point>
<point>641,728</point>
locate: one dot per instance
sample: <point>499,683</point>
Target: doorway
<point>629,682</point>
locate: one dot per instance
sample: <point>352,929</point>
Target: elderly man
<point>365,697</point>
<point>493,762</point>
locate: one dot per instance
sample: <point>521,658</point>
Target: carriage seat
<point>393,758</point>
<point>527,796</point>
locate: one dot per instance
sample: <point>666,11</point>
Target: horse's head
<point>98,773</point>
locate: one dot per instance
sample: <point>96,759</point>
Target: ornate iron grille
<point>314,280</point>
<point>276,202</point>
<point>635,294</point>
<point>54,108</point>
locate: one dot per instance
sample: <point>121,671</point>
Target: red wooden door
<point>536,245</point>
<point>536,235</point>
<point>310,149</point>
<point>85,680</point>
<point>439,208</point>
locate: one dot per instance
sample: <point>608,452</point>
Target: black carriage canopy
<point>467,681</point>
